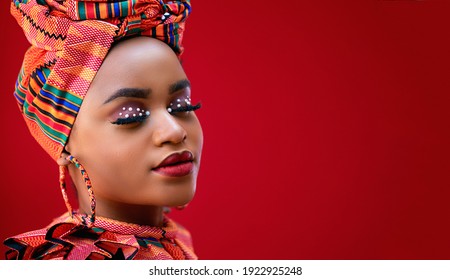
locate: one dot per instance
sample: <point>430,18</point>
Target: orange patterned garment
<point>66,238</point>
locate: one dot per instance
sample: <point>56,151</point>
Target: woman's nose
<point>167,129</point>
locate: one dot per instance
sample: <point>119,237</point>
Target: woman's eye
<point>182,105</point>
<point>130,115</point>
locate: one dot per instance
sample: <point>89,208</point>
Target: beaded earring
<point>86,219</point>
<point>62,185</point>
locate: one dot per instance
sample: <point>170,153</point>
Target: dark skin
<point>139,73</point>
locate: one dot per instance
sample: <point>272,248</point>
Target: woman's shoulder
<point>183,235</point>
<point>39,244</point>
<point>65,238</point>
<point>29,245</point>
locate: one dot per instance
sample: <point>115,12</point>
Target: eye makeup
<point>178,103</point>
<point>182,104</point>
<point>131,114</point>
<point>135,113</point>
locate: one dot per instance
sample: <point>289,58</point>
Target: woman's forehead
<point>140,47</point>
<point>143,63</point>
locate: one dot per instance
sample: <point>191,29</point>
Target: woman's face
<point>125,129</point>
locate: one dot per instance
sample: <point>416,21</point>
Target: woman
<point>107,74</point>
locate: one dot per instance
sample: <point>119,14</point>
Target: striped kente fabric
<point>69,40</point>
<point>67,239</point>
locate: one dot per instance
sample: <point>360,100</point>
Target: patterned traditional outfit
<point>69,41</point>
<point>107,239</point>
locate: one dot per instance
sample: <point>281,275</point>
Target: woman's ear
<point>62,160</point>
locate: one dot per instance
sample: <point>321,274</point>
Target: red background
<point>326,131</point>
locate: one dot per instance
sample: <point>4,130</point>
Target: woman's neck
<point>137,214</point>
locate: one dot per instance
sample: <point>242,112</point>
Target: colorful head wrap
<point>70,39</point>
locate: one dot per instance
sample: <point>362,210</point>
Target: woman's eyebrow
<point>129,92</point>
<point>182,84</point>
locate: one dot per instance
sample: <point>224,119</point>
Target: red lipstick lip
<point>176,158</point>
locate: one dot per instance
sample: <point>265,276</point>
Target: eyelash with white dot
<point>131,115</point>
<point>180,107</point>
<point>186,108</point>
<point>138,115</point>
